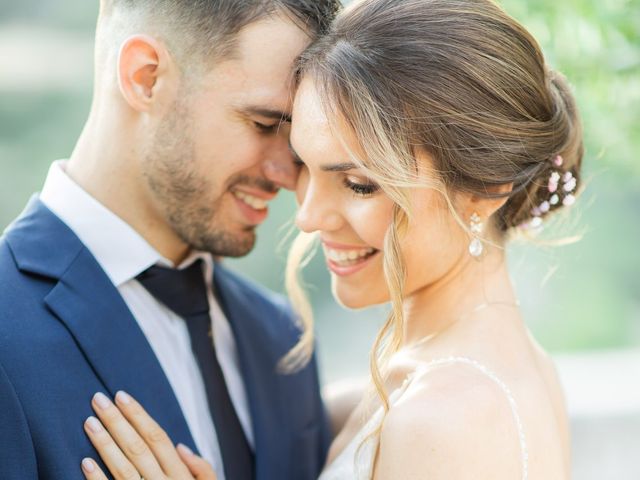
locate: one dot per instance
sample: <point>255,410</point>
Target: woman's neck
<point>469,286</point>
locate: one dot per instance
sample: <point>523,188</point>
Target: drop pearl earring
<point>475,225</point>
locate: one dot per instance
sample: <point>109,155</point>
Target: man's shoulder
<point>7,262</point>
<point>12,277</point>
<point>12,281</point>
<point>22,306</point>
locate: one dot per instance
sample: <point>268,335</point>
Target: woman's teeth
<point>254,202</point>
<point>346,258</point>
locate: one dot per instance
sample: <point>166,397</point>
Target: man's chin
<point>234,245</point>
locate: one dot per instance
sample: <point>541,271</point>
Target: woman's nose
<point>317,211</point>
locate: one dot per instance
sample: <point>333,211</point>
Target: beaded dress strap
<point>512,402</point>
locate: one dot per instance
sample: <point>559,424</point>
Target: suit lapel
<point>258,356</point>
<point>92,309</point>
<point>96,315</point>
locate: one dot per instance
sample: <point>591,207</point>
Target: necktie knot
<point>182,291</point>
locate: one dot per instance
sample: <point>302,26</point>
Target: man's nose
<point>280,169</point>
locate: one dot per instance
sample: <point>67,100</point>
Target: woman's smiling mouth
<point>345,260</point>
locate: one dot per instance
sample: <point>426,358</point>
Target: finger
<point>198,467</point>
<point>117,463</point>
<point>131,444</point>
<point>92,471</point>
<point>154,436</point>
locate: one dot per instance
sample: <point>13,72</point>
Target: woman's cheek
<point>370,218</point>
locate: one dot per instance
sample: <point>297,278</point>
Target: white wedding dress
<point>355,462</point>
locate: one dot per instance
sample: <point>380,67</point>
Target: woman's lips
<point>347,260</point>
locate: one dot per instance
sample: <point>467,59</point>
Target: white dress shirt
<point>123,254</point>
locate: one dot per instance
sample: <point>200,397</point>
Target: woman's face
<point>352,214</point>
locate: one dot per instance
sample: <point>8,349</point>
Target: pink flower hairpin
<point>564,193</point>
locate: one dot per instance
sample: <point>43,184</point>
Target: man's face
<point>221,152</point>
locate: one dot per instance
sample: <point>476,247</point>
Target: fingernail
<point>123,398</point>
<point>88,465</point>
<point>94,425</point>
<point>102,401</point>
<point>185,449</point>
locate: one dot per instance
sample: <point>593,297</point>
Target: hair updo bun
<point>524,205</point>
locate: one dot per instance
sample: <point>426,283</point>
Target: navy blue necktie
<point>185,293</point>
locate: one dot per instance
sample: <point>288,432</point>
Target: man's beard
<point>188,202</point>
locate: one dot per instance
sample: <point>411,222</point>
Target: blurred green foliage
<point>585,295</point>
<point>597,45</point>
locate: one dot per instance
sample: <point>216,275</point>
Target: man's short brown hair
<point>208,28</point>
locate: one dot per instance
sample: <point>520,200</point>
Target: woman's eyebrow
<point>338,167</point>
<point>335,167</point>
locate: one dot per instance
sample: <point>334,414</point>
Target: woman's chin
<point>354,300</point>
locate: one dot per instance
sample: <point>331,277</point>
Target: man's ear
<point>143,64</point>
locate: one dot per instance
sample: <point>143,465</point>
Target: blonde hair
<point>458,80</point>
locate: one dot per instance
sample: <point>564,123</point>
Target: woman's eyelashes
<point>357,186</point>
<point>361,189</point>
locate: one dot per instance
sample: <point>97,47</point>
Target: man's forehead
<point>267,95</point>
<point>267,51</point>
<point>259,77</point>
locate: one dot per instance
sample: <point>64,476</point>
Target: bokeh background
<point>581,301</point>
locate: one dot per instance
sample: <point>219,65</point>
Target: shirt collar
<point>121,251</point>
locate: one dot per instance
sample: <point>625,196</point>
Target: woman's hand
<point>133,446</point>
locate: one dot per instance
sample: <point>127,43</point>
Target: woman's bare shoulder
<point>450,421</point>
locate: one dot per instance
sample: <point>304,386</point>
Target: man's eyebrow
<point>336,167</point>
<point>266,113</point>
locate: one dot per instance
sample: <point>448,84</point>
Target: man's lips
<point>256,192</point>
<point>253,203</point>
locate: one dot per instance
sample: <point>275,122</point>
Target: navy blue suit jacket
<point>66,333</point>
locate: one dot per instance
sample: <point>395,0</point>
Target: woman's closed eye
<point>359,187</point>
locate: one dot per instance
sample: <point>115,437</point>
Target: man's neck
<point>108,170</point>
